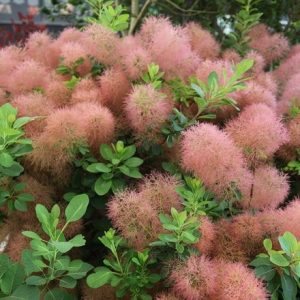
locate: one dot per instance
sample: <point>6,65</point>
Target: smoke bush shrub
<point>189,151</point>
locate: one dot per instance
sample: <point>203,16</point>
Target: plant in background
<point>280,269</point>
<point>12,195</point>
<point>153,76</point>
<point>294,165</point>
<point>294,109</point>
<point>46,264</point>
<point>108,14</point>
<point>244,21</point>
<point>128,271</point>
<point>120,161</point>
<point>69,70</point>
<point>183,232</point>
<point>96,70</point>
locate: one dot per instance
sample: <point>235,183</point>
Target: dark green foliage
<point>280,269</point>
<point>183,232</point>
<point>13,146</point>
<point>127,270</point>
<point>120,163</point>
<point>244,21</point>
<point>46,263</point>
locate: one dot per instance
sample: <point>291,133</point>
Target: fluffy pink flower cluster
<point>203,279</point>
<point>135,213</point>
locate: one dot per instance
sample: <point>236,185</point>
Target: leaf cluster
<point>280,268</point>
<point>183,231</point>
<point>46,263</point>
<point>244,21</point>
<point>108,14</point>
<point>208,97</point>
<point>127,271</point>
<point>154,76</point>
<point>13,145</point>
<point>120,163</point>
<point>14,196</point>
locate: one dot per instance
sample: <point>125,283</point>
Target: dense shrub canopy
<point>190,152</point>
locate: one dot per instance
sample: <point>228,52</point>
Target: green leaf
<point>128,152</point>
<point>20,206</point>
<point>98,168</point>
<point>39,246</point>
<point>133,162</point>
<point>288,243</point>
<point>13,278</point>
<point>78,240</point>
<point>31,263</point>
<point>42,213</point>
<point>31,235</point>
<point>59,294</point>
<point>15,170</point>
<point>102,276</point>
<point>265,272</point>
<point>102,187</point>
<point>278,259</point>
<point>25,197</point>
<point>106,152</point>
<point>36,280</point>
<point>267,244</point>
<point>244,66</point>
<point>289,287</point>
<point>77,208</point>
<point>179,248</point>
<point>78,269</point>
<point>135,173</point>
<point>6,160</point>
<point>20,122</point>
<point>24,292</point>
<point>62,247</point>
<point>67,282</point>
<point>118,184</point>
<point>198,90</point>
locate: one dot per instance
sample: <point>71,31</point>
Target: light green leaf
<point>106,152</point>
<point>267,244</point>
<point>78,240</point>
<point>31,234</point>
<point>36,280</point>
<point>288,243</point>
<point>278,259</point>
<point>67,282</point>
<point>77,208</point>
<point>102,187</point>
<point>6,160</point>
<point>22,121</point>
<point>133,162</point>
<point>102,276</point>
<point>98,168</point>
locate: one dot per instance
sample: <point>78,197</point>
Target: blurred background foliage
<point>217,15</point>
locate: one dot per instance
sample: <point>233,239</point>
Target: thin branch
<point>189,11</point>
<point>134,14</point>
<point>138,18</point>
